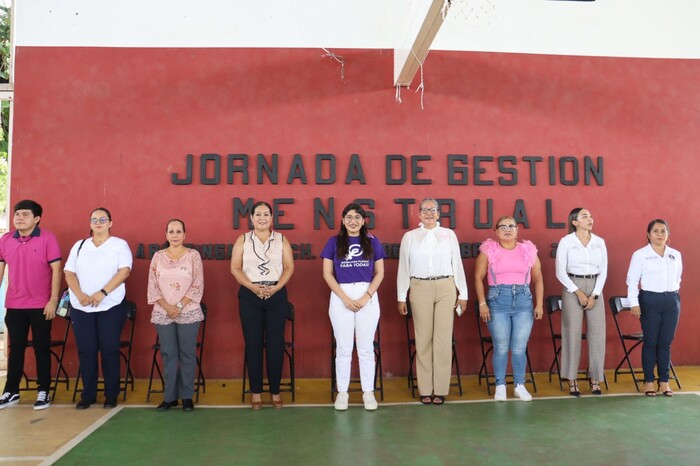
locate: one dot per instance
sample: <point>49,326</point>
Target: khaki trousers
<point>432,305</point>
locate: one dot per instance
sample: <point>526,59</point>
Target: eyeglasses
<point>101,220</point>
<point>350,218</point>
<point>428,210</point>
<point>506,227</point>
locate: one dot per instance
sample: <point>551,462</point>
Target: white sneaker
<point>500,393</point>
<point>8,399</point>
<point>522,393</point>
<point>370,402</point>
<point>341,401</point>
<point>43,400</point>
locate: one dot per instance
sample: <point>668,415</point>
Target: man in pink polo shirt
<point>34,261</point>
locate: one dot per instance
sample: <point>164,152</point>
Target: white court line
<point>8,459</point>
<point>80,437</point>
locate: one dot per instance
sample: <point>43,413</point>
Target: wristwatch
<point>595,296</point>
<point>179,306</point>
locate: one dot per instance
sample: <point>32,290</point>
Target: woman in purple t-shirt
<point>353,267</point>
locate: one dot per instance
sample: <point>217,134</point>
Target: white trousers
<point>350,327</point>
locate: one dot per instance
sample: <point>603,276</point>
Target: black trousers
<point>263,322</point>
<point>18,322</point>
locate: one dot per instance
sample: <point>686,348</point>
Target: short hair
<point>504,218</point>
<point>429,199</point>
<point>28,204</point>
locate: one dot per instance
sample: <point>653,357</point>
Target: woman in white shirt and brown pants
<point>430,265</point>
<point>653,281</point>
<point>582,268</point>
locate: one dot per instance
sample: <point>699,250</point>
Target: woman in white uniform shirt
<point>653,281</point>
<point>95,273</point>
<point>430,265</point>
<point>582,268</point>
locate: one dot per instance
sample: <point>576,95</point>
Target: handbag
<point>63,308</point>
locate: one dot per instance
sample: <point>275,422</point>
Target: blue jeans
<point>660,312</point>
<point>510,325</point>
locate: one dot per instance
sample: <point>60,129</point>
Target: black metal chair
<point>200,381</point>
<point>553,304</point>
<point>125,346</point>
<point>635,339</point>
<point>61,374</point>
<point>354,381</point>
<point>411,377</point>
<point>288,386</point>
<point>486,347</point>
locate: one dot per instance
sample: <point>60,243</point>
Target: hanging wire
<point>445,8</point>
<point>421,87</point>
<point>337,58</point>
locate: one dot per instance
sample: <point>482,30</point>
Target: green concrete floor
<point>619,430</point>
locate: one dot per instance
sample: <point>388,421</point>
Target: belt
<point>265,283</point>
<point>442,277</point>
<point>583,276</point>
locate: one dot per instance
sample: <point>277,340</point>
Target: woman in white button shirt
<point>582,267</point>
<point>653,281</point>
<point>430,265</point>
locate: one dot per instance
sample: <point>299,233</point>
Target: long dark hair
<point>343,244</point>
<point>573,215</point>
<point>654,222</point>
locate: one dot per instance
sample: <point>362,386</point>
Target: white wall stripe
<point>629,28</point>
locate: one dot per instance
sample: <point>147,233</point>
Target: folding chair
<point>288,386</point>
<point>125,346</point>
<point>61,374</point>
<point>486,347</point>
<point>553,307</point>
<point>354,381</point>
<point>199,382</point>
<point>412,377</point>
<point>635,339</point>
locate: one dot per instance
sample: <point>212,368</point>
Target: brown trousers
<point>432,305</point>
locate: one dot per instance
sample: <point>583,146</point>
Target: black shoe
<point>187,405</point>
<point>84,404</point>
<point>8,399</point>
<point>573,389</point>
<point>166,405</point>
<point>110,403</point>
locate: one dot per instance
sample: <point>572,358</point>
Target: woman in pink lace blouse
<point>175,288</point>
<point>508,310</point>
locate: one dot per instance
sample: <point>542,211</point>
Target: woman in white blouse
<point>175,288</point>
<point>582,268</point>
<point>262,262</point>
<point>653,281</point>
<point>95,273</point>
<point>430,265</point>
